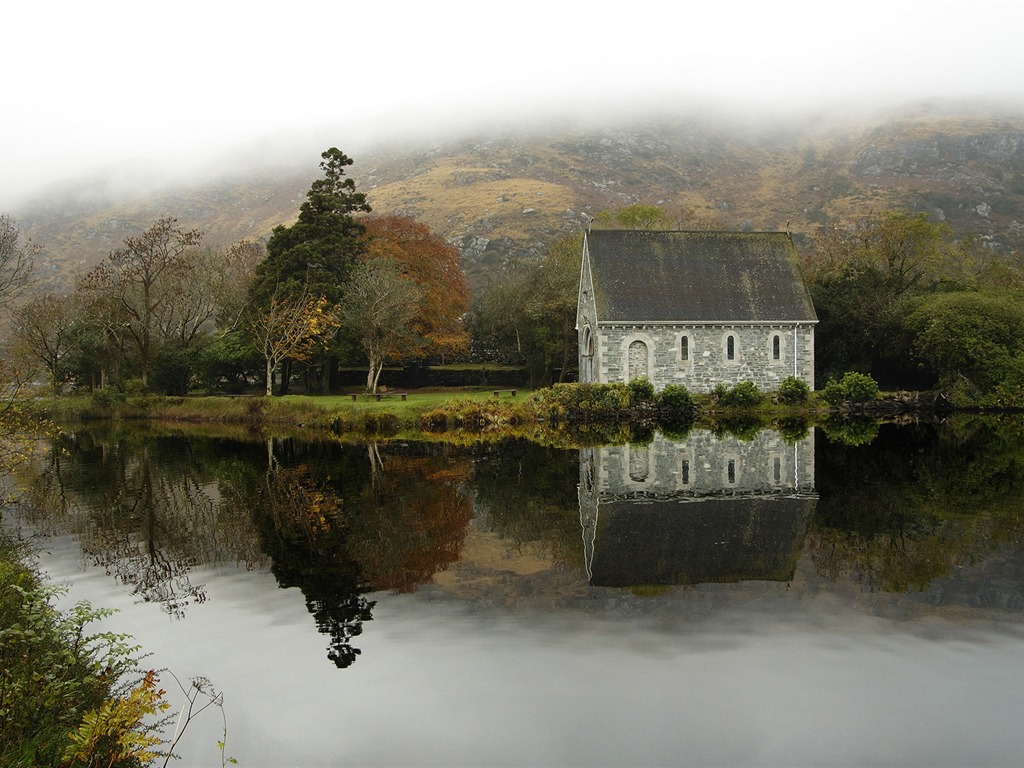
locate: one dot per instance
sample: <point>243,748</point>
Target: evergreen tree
<point>314,255</point>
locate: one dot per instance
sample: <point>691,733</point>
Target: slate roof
<point>659,276</point>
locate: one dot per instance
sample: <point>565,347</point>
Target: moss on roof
<point>659,276</point>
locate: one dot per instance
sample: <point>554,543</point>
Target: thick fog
<point>140,93</point>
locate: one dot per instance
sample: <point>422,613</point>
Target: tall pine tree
<point>316,253</point>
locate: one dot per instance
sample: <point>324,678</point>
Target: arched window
<point>636,360</point>
<point>730,472</point>
<point>587,357</point>
<point>684,348</point>
<point>776,347</point>
<point>686,472</point>
<point>730,348</point>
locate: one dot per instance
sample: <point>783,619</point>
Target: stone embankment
<point>898,404</point>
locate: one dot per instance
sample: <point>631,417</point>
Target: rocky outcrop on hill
<point>510,196</point>
<point>969,172</point>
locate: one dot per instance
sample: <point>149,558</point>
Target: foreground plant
<point>116,732</point>
<point>56,680</point>
<point>200,695</point>
<point>71,698</point>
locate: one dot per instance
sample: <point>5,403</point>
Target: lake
<point>850,595</point>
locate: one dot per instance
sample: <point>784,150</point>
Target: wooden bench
<point>378,396</point>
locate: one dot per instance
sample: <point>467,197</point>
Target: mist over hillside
<point>503,193</point>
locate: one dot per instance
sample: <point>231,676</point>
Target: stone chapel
<point>693,308</point>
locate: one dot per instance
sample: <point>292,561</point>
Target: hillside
<point>504,196</point>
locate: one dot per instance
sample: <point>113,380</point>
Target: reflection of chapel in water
<point>706,509</point>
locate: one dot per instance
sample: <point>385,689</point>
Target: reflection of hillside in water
<point>706,509</point>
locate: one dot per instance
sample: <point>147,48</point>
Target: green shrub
<point>608,400</point>
<point>54,675</point>
<point>860,387</point>
<point>583,402</point>
<point>675,402</point>
<point>970,339</point>
<point>743,394</point>
<point>794,391</point>
<point>227,364</point>
<point>134,387</point>
<point>833,392</point>
<point>1010,391</point>
<point>106,398</point>
<point>640,390</point>
<point>852,388</point>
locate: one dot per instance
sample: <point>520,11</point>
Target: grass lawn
<point>417,400</point>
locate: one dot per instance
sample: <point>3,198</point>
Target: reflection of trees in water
<point>528,493</point>
<point>410,521</point>
<point>302,528</point>
<point>336,521</point>
<point>921,503</point>
<point>145,541</point>
<point>341,522</point>
<point>144,510</point>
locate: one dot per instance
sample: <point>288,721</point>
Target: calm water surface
<point>704,599</point>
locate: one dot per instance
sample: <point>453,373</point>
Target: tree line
<point>163,313</point>
<point>913,304</point>
<point>899,297</point>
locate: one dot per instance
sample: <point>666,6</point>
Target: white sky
<point>159,85</point>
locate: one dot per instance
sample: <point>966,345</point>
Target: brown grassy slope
<point>511,196</point>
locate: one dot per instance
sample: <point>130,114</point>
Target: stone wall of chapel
<point>707,363</point>
<point>702,465</point>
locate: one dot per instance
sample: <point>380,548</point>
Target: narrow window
<point>776,347</point>
<point>684,348</point>
<point>686,471</point>
<point>777,470</point>
<point>731,471</point>
<point>730,348</point>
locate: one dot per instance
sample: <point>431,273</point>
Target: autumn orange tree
<point>426,259</point>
